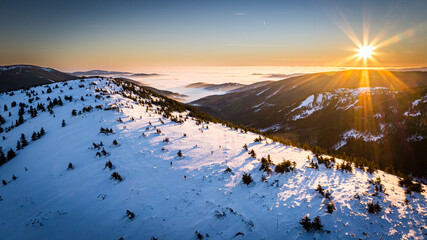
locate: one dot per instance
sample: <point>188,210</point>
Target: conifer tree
<point>24,141</point>
<point>2,157</point>
<point>70,166</point>
<point>317,224</point>
<point>18,145</point>
<point>63,123</point>
<point>306,223</point>
<point>11,154</point>
<point>34,136</point>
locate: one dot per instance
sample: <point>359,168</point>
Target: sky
<point>125,35</point>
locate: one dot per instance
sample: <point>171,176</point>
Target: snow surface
<point>310,105</point>
<point>347,98</point>
<point>365,136</point>
<point>47,201</point>
<point>262,91</point>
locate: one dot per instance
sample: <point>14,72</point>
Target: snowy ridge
<point>174,197</point>
<point>343,98</point>
<point>414,111</point>
<point>367,137</point>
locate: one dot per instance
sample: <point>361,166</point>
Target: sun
<point>365,52</point>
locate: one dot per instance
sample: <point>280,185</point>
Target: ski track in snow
<point>50,202</point>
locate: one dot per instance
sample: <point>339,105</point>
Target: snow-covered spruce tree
<point>18,145</point>
<point>252,154</point>
<point>313,165</point>
<point>4,182</point>
<point>116,176</point>
<point>258,139</point>
<point>265,164</point>
<point>320,190</point>
<point>306,223</point>
<point>199,235</point>
<point>179,153</point>
<point>130,214</point>
<point>24,141</point>
<point>63,123</point>
<point>115,143</point>
<point>34,136</point>
<point>14,177</point>
<point>317,224</point>
<point>246,178</point>
<point>374,208</point>
<point>109,165</point>
<point>3,158</point>
<point>11,154</point>
<point>330,207</point>
<point>70,166</point>
<point>245,147</point>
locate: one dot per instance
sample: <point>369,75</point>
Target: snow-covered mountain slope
<point>322,109</point>
<point>174,197</point>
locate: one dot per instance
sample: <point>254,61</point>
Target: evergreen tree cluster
<point>116,176</point>
<point>378,186</point>
<point>308,225</point>
<point>411,186</point>
<point>106,130</point>
<point>265,164</point>
<point>102,153</point>
<point>345,167</point>
<point>374,208</point>
<point>285,166</point>
<point>328,162</point>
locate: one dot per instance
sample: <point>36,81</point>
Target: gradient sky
<point>124,35</point>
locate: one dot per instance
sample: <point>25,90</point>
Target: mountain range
<point>373,114</point>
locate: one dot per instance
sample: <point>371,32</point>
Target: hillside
<point>144,166</point>
<point>377,115</point>
<point>22,76</point>
<point>216,87</point>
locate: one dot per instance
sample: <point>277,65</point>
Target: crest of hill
<point>14,77</point>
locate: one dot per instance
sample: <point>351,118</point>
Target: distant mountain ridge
<point>216,87</point>
<point>104,72</point>
<point>98,72</point>
<point>14,77</point>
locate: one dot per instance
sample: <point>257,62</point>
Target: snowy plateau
<point>162,195</point>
